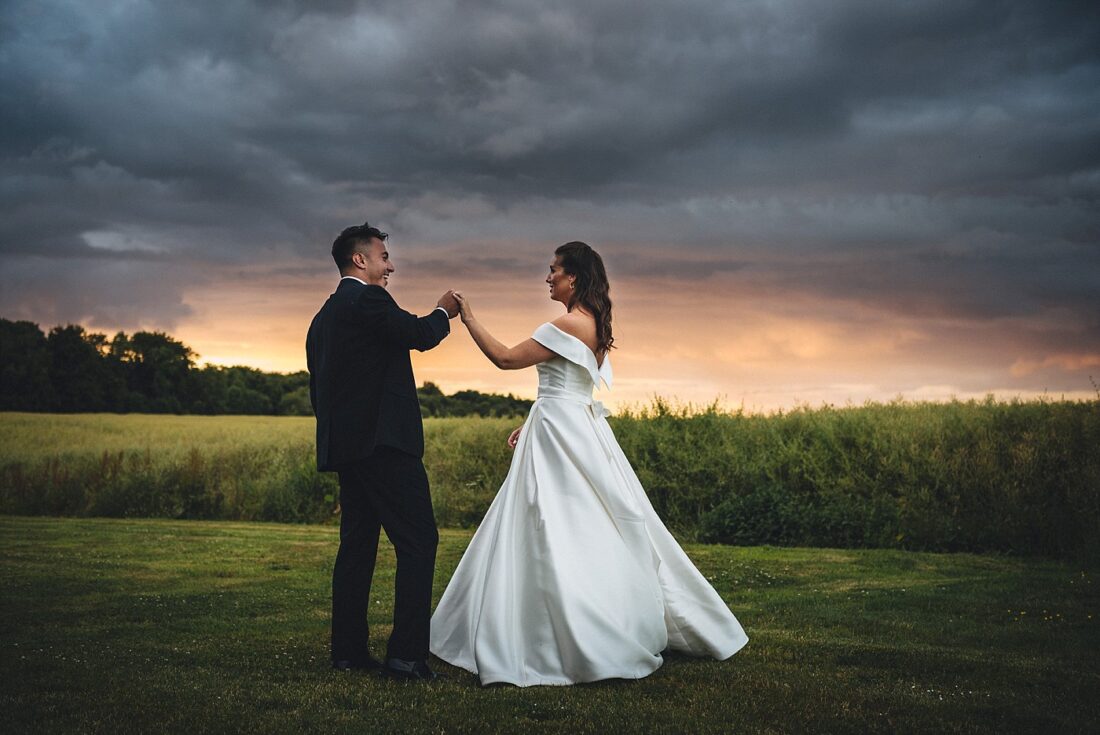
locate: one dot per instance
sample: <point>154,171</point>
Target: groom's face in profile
<point>373,260</point>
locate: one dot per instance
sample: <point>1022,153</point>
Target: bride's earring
<point>572,286</point>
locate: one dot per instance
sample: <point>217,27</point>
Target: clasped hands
<point>455,304</point>
<point>449,302</point>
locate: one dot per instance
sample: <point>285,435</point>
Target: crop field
<point>1019,477</point>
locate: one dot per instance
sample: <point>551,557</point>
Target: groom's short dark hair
<point>344,245</point>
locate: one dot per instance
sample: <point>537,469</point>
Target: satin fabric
<point>571,576</point>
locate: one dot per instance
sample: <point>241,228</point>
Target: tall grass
<point>1020,477</point>
<point>223,467</point>
<point>976,476</point>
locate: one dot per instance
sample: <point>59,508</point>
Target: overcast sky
<point>797,201</point>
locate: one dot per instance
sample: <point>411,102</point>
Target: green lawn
<point>189,626</point>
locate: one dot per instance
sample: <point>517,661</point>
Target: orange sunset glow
<point>728,339</point>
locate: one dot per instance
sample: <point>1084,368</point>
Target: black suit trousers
<point>388,490</point>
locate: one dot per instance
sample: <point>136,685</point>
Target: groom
<point>369,431</point>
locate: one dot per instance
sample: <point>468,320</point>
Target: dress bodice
<point>574,372</point>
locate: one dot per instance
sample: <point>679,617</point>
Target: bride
<point>571,576</point>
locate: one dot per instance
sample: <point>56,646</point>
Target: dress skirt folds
<point>571,576</point>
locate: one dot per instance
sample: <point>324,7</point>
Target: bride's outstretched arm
<point>525,354</point>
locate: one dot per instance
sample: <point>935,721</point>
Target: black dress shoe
<point>369,663</point>
<point>411,670</point>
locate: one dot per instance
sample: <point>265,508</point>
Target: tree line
<point>72,370</point>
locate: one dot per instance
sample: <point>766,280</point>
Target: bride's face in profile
<point>560,282</point>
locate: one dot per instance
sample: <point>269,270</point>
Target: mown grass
<point>1016,477</point>
<point>188,626</point>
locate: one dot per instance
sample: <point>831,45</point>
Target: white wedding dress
<point>571,576</point>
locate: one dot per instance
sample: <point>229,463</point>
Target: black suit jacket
<point>360,376</point>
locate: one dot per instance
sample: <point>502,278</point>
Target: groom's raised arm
<point>398,326</point>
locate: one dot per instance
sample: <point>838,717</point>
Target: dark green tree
<point>159,374</point>
<point>74,370</point>
<point>296,403</point>
<point>82,378</point>
<point>24,368</point>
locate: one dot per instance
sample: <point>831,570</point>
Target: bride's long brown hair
<point>590,288</point>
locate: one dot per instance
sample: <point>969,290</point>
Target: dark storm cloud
<point>929,157</point>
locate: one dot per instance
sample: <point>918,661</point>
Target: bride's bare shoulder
<point>581,326</point>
